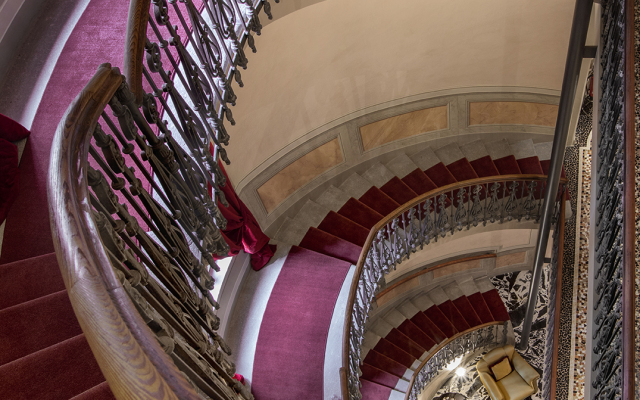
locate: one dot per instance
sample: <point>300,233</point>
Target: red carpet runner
<point>293,335</point>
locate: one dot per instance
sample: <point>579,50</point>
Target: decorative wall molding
<point>356,159</point>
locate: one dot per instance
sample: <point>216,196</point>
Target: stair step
<point>291,231</point>
<point>378,175</point>
<point>425,159</point>
<point>523,149</point>
<point>99,392</point>
<point>471,290</point>
<point>467,310</point>
<point>328,244</point>
<point>376,375</point>
<point>386,348</point>
<point>333,198</point>
<point>35,325</point>
<point>25,280</point>
<point>360,213</point>
<point>405,343</point>
<point>311,214</point>
<point>58,372</point>
<point>530,165</point>
<point>484,167</point>
<point>398,190</point>
<point>401,166</point>
<point>419,182</point>
<point>384,363</point>
<point>492,298</point>
<point>440,175</point>
<point>499,149</point>
<point>417,335</point>
<point>507,165</point>
<point>379,201</point>
<point>344,228</point>
<point>381,327</point>
<point>355,186</point>
<point>474,150</point>
<point>462,170</point>
<point>434,323</point>
<point>450,153</point>
<point>543,150</point>
<point>374,391</point>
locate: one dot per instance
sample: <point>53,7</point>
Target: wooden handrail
<point>135,40</point>
<point>127,351</point>
<point>398,211</point>
<point>444,344</point>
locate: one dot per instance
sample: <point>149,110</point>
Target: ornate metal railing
<point>191,74</point>
<point>480,338</point>
<point>435,214</point>
<point>134,225</point>
<point>613,347</point>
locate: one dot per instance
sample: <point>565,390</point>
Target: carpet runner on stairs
<point>43,353</point>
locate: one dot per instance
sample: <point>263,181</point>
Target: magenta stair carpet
<point>294,330</point>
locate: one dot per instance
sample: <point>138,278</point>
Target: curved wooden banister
<point>443,345</point>
<point>134,46</point>
<point>127,351</point>
<point>390,217</point>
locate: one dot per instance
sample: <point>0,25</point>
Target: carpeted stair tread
<point>294,329</point>
<point>419,182</point>
<point>429,327</point>
<point>484,166</point>
<point>379,201</point>
<point>344,228</point>
<point>410,329</point>
<point>545,167</point>
<point>496,305</point>
<point>453,314</point>
<point>405,343</point>
<point>530,165</point>
<point>468,312</point>
<point>99,392</point>
<point>481,307</point>
<point>58,372</point>
<point>360,213</point>
<point>25,280</point>
<point>462,170</point>
<point>438,319</point>
<point>507,165</point>
<point>326,243</point>
<point>373,374</point>
<point>384,363</point>
<point>37,324</point>
<point>386,348</point>
<point>373,391</point>
<point>440,175</point>
<point>398,190</point>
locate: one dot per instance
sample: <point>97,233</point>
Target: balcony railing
<point>612,370</point>
<point>433,215</point>
<point>480,338</point>
<point>134,225</point>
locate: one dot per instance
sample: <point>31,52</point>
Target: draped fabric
<point>242,231</point>
<point>10,131</point>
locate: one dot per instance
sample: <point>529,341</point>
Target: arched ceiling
<point>336,57</point>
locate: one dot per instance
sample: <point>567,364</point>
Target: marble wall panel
<point>512,113</point>
<point>511,259</point>
<point>300,172</point>
<point>403,126</point>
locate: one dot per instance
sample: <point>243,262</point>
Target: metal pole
<point>579,28</point>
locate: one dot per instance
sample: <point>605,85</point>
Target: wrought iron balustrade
<point>481,338</point>
<point>612,326</point>
<point>434,215</point>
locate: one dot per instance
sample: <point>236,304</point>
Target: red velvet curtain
<point>242,231</point>
<point>10,131</point>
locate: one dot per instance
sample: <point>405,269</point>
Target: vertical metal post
<point>579,28</point>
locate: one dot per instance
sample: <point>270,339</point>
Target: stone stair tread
<point>408,309</point>
<point>425,159</point>
<point>468,287</point>
<point>474,150</point>
<point>394,318</point>
<point>355,186</point>
<point>499,149</point>
<point>378,175</point>
<point>453,290</point>
<point>332,198</point>
<point>311,214</point>
<point>402,386</point>
<point>450,153</point>
<point>523,149</point>
<point>291,231</point>
<point>438,295</point>
<point>543,150</point>
<point>401,166</point>
<point>381,327</point>
<point>422,302</point>
<point>483,284</point>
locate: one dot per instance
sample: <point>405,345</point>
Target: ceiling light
<point>461,371</point>
<point>453,364</point>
